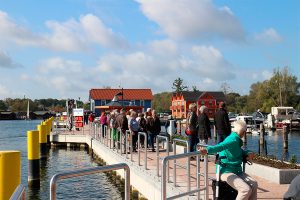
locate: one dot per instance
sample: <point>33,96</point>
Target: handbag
<point>188,131</point>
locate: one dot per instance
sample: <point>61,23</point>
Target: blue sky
<point>63,48</point>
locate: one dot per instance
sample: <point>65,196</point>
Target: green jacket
<point>231,149</point>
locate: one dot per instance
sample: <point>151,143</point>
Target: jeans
<point>192,140</point>
<point>243,183</point>
<point>151,137</point>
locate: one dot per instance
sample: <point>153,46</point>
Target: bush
<point>293,159</point>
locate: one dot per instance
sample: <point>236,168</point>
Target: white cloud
<point>210,63</point>
<point>71,35</point>
<point>58,65</point>
<point>192,19</point>
<point>205,64</point>
<point>7,62</point>
<point>97,32</point>
<point>269,35</point>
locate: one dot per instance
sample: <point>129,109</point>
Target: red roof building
<point>126,97</point>
<point>182,100</point>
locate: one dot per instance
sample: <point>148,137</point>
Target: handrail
<point>88,171</point>
<point>158,137</point>
<point>175,140</point>
<point>145,146</point>
<point>164,176</point>
<point>19,193</point>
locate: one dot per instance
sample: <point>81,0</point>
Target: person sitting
<point>294,189</point>
<point>231,170</point>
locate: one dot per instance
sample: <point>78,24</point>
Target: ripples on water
<point>96,186</point>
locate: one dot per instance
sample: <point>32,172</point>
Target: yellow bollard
<point>42,141</point>
<point>10,173</point>
<point>33,149</point>
<point>46,123</point>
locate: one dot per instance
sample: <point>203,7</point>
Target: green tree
<point>3,105</point>
<point>162,101</point>
<point>178,85</point>
<point>282,89</point>
<point>194,88</point>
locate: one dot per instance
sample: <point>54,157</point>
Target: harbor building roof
<point>128,94</point>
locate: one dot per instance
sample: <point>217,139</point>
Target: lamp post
<point>122,94</point>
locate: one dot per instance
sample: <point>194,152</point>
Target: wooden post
<point>285,138</point>
<point>262,138</point>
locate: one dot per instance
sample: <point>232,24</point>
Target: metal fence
<point>88,171</point>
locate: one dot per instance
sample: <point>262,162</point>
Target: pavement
<point>266,189</point>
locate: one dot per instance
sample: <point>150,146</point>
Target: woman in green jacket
<point>231,169</point>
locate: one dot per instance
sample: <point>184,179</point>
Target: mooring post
<point>262,138</point>
<point>285,138</point>
<point>33,151</point>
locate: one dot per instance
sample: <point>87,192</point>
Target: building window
<point>178,103</point>
<point>210,102</point>
<point>142,103</point>
<point>202,102</point>
<point>103,102</point>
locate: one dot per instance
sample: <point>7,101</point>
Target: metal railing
<point>145,148</point>
<point>88,171</point>
<point>187,165</point>
<point>189,192</point>
<point>160,137</point>
<point>19,193</point>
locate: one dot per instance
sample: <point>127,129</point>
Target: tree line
<point>20,105</point>
<point>282,89</point>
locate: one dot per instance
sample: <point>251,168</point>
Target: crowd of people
<point>120,121</point>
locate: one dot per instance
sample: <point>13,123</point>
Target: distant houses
<point>109,99</point>
<point>8,115</point>
<point>182,100</point>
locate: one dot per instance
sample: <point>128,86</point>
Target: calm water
<point>274,144</point>
<point>13,137</point>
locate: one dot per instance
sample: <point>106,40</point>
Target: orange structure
<point>182,100</point>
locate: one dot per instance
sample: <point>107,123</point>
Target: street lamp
<point>121,94</point>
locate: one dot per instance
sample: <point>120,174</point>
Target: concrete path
<point>267,189</point>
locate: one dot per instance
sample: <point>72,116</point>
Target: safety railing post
<point>164,176</point>
<point>121,143</point>
<point>145,147</point>
<point>188,163</point>
<point>88,171</point>
<point>126,144</point>
<point>131,145</point>
<point>157,153</point>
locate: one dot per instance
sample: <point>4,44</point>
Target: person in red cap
<point>223,126</point>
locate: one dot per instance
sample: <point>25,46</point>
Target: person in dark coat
<point>192,127</point>
<point>153,128</point>
<point>204,132</point>
<point>122,124</point>
<point>222,123</point>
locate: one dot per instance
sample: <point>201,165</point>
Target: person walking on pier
<point>191,127</point>
<point>204,132</point>
<point>231,155</point>
<point>134,128</point>
<point>222,123</point>
<point>153,128</point>
<point>142,127</point>
<point>122,124</point>
<point>103,122</point>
